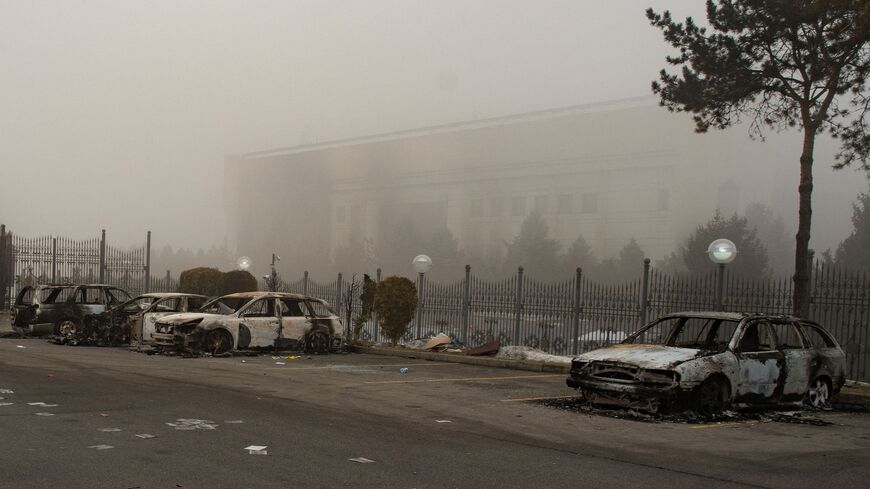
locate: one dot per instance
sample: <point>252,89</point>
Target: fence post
<point>377,335</point>
<point>338,295</point>
<point>305,283</point>
<point>4,273</point>
<point>168,281</point>
<point>575,340</point>
<point>810,262</point>
<point>466,303</point>
<point>644,292</point>
<point>720,287</point>
<point>103,257</point>
<point>54,260</point>
<point>148,263</point>
<point>518,309</point>
<point>418,324</point>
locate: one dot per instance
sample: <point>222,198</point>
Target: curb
<point>456,358</point>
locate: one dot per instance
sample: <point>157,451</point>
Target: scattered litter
<point>104,415</point>
<point>361,460</point>
<point>529,353</point>
<point>280,363</point>
<point>443,421</point>
<point>6,391</point>
<point>256,449</point>
<point>293,357</point>
<point>243,361</point>
<point>41,404</point>
<point>234,421</point>
<point>6,404</point>
<point>186,424</point>
<point>44,414</point>
<point>101,447</point>
<point>453,350</point>
<point>145,436</point>
<point>438,341</point>
<point>276,358</point>
<point>403,370</point>
<point>20,346</point>
<point>109,430</point>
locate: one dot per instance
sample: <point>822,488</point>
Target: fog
<point>119,115</point>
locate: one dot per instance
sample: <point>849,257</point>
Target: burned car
<point>133,321</point>
<point>63,309</point>
<point>253,320</point>
<point>711,361</point>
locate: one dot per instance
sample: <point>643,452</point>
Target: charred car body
<point>134,320</point>
<point>710,361</point>
<point>253,320</point>
<point>63,309</point>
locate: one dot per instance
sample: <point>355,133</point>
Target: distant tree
<point>854,251</point>
<point>447,259</point>
<point>401,246</point>
<point>237,281</point>
<point>368,290</point>
<point>751,258</point>
<point>579,254</point>
<point>535,251</point>
<point>771,231</point>
<point>783,64</point>
<point>396,305</point>
<point>672,264</point>
<point>630,264</point>
<point>201,280</point>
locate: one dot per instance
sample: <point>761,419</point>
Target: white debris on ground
<point>857,383</point>
<point>529,353</point>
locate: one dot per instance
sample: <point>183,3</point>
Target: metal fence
<point>28,261</point>
<point>576,314</point>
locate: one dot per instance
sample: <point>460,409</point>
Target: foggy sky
<point>118,115</point>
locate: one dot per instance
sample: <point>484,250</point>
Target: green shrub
<point>367,304</point>
<point>396,305</point>
<point>201,280</point>
<point>237,281</point>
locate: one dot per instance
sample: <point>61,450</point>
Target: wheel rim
<point>319,343</point>
<point>67,328</point>
<point>218,343</point>
<point>712,398</point>
<point>819,394</point>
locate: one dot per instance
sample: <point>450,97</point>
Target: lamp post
<point>721,252</point>
<point>422,264</point>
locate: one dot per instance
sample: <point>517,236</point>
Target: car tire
<point>317,342</point>
<point>713,396</point>
<point>67,329</point>
<point>819,394</point>
<point>217,342</point>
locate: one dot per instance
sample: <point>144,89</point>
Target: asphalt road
<point>314,414</point>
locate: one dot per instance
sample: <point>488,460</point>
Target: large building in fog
<point>611,171</point>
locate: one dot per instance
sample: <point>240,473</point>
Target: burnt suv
<point>63,309</point>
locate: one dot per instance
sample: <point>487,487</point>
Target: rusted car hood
<point>185,317</point>
<point>643,356</point>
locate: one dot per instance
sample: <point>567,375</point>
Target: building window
<point>518,206</point>
<point>664,199</point>
<point>340,214</point>
<point>590,203</point>
<point>564,203</point>
<point>477,208</point>
<point>541,204</point>
<point>496,207</point>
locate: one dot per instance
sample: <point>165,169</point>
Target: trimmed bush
<point>201,280</point>
<point>237,281</point>
<point>396,305</point>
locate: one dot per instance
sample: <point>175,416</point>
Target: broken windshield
<point>225,305</point>
<point>701,333</point>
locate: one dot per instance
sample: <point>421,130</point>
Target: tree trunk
<point>800,297</point>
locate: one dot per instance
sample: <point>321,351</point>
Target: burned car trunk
<point>710,361</point>
<point>67,311</point>
<point>253,320</point>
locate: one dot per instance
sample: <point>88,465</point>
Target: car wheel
<point>318,342</point>
<point>67,329</point>
<point>713,396</point>
<point>819,395</point>
<point>218,342</point>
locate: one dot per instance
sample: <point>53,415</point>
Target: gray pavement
<point>314,414</point>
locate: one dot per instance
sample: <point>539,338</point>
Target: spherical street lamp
<point>244,263</point>
<point>722,251</point>
<point>422,263</point>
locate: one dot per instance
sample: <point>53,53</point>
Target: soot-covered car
<point>135,318</point>
<point>253,320</point>
<point>710,361</point>
<point>63,309</point>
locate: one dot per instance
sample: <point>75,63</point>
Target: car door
<point>260,321</point>
<point>157,310</point>
<point>797,357</point>
<point>295,322</point>
<point>23,311</point>
<point>90,301</point>
<point>759,364</point>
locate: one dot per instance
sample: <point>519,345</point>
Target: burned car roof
<point>160,295</point>
<point>259,294</point>
<point>733,316</point>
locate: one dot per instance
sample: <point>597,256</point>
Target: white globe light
<point>422,263</point>
<point>722,251</point>
<point>244,263</point>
